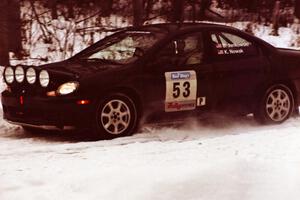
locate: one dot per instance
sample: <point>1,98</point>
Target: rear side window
<point>227,44</point>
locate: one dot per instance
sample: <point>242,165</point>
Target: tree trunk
<point>52,4</point>
<point>4,58</point>
<point>276,18</point>
<point>138,7</point>
<point>205,5</point>
<point>297,8</point>
<point>70,9</point>
<point>148,8</point>
<point>14,28</point>
<point>106,7</point>
<point>177,15</point>
<point>194,10</point>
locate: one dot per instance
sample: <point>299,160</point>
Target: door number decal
<point>181,91</point>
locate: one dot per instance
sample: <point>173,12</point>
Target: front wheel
<point>116,116</point>
<point>276,105</point>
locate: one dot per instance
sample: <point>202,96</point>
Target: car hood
<point>77,69</point>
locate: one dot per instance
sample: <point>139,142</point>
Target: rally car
<point>154,73</point>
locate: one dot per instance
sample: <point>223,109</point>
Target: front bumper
<point>51,113</point>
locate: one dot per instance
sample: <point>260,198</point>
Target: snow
<point>234,160</point>
<point>287,37</point>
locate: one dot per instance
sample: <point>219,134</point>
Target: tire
<point>276,105</point>
<point>296,112</point>
<point>116,116</point>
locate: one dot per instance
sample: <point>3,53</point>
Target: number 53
<point>177,89</point>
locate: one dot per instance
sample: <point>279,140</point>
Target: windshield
<point>124,48</point>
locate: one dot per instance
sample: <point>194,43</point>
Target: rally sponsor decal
<point>180,75</point>
<point>201,101</point>
<point>179,106</point>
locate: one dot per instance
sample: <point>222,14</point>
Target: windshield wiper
<point>99,60</point>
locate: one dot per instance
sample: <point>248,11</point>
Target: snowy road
<point>230,161</point>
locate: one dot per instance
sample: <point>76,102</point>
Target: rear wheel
<point>276,105</point>
<point>116,116</point>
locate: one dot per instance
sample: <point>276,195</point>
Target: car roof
<point>190,26</point>
<point>178,28</point>
<point>170,27</point>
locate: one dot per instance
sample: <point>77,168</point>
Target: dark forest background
<point>15,19</point>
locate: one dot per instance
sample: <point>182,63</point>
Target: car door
<point>239,68</point>
<point>181,77</point>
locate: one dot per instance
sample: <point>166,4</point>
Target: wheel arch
<point>130,92</point>
<point>288,83</point>
<point>98,131</point>
<point>291,86</point>
<point>259,114</point>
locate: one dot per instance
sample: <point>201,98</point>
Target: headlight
<point>31,75</point>
<point>44,78</point>
<point>19,74</point>
<point>9,75</point>
<point>67,88</point>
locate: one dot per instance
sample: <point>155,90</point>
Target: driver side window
<point>184,50</point>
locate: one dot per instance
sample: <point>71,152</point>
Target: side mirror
<point>138,52</point>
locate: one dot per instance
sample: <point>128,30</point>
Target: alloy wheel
<point>115,116</point>
<point>278,105</point>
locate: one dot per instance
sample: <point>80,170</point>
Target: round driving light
<point>19,74</point>
<point>31,75</point>
<point>44,78</point>
<point>9,75</point>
